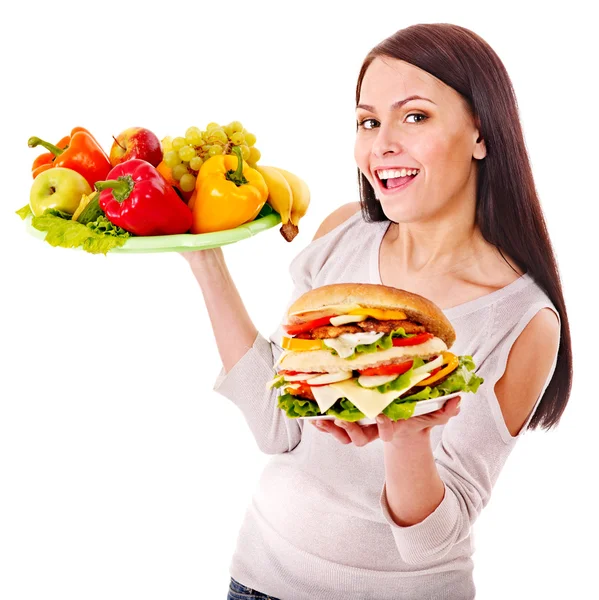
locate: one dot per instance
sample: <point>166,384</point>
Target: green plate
<point>184,241</point>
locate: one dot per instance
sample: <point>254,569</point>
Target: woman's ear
<point>480,149</point>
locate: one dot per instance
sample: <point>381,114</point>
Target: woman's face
<point>435,136</point>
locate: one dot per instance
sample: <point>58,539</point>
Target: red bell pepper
<point>137,198</point>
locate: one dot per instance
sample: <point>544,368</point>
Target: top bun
<point>341,298</point>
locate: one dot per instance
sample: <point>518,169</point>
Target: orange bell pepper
<point>167,173</point>
<point>82,153</point>
<point>228,193</point>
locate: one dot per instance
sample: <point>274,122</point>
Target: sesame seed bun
<point>342,298</point>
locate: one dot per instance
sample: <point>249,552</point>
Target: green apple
<point>58,188</point>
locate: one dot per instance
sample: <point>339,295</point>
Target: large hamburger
<point>352,351</point>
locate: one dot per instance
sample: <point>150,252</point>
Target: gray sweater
<point>318,526</point>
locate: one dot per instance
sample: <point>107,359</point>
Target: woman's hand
<point>347,432</point>
<point>388,430</point>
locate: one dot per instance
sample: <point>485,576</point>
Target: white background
<point>122,475</point>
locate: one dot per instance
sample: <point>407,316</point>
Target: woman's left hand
<point>386,429</point>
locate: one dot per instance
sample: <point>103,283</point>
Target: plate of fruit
<point>202,190</point>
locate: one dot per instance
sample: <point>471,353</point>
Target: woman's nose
<point>386,142</point>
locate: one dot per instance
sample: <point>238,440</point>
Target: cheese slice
<point>325,396</point>
<point>370,402</point>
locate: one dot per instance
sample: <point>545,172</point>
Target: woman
<point>448,210</point>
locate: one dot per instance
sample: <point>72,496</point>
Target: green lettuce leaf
<point>280,383</point>
<point>399,410</point>
<point>24,212</point>
<point>346,410</point>
<point>100,236</point>
<point>461,380</point>
<point>294,406</point>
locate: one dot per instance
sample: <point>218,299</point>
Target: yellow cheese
<point>370,402</point>
<point>380,313</point>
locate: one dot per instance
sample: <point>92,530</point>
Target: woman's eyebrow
<point>397,104</point>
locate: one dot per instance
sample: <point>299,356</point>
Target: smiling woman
<point>449,212</point>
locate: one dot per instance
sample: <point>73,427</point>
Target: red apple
<point>136,142</point>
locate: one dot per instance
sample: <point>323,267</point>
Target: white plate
<point>422,407</point>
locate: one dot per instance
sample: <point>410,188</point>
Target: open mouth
<point>395,178</point>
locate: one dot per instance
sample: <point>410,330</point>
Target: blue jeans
<point>241,592</point>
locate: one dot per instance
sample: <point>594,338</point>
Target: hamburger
<point>352,351</point>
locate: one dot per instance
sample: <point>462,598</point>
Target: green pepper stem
<point>121,187</point>
<point>35,141</point>
<point>237,176</point>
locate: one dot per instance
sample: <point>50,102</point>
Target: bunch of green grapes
<point>185,155</point>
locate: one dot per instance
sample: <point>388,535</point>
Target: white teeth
<point>393,173</point>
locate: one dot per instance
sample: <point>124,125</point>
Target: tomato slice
<point>419,338</point>
<point>388,369</point>
<point>302,327</point>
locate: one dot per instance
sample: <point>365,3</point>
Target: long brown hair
<point>508,211</point>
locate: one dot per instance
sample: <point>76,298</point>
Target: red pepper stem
<point>237,176</point>
<point>35,141</point>
<point>121,187</point>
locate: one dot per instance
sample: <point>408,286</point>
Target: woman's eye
<point>368,123</point>
<point>424,117</point>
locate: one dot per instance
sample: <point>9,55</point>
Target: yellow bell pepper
<point>228,193</point>
<point>300,345</point>
<point>449,359</point>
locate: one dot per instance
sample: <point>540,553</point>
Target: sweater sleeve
<point>245,383</point>
<point>469,457</point>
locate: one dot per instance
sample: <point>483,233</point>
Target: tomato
<point>419,338</point>
<point>302,327</point>
<point>303,390</point>
<point>388,369</point>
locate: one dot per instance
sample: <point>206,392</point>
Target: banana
<point>288,195</point>
<point>301,195</point>
<point>280,196</point>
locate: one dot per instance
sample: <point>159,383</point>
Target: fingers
<point>336,432</point>
<point>347,432</point>
<point>439,417</point>
<point>359,435</point>
<point>386,428</point>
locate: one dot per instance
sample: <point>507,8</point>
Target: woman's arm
<point>248,358</point>
<point>233,329</point>
<point>431,499</point>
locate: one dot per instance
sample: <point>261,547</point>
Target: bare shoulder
<point>338,216</point>
<point>529,363</point>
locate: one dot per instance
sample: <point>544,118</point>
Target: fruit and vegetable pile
<point>205,181</point>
